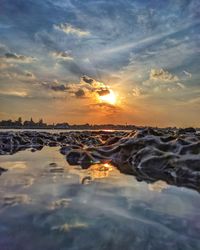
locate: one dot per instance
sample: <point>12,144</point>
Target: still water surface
<point>44,205</point>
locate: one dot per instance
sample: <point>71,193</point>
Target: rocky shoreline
<point>171,155</point>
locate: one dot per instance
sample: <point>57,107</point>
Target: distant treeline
<point>19,124</point>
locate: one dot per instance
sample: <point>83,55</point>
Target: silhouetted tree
<point>19,121</point>
<point>41,121</point>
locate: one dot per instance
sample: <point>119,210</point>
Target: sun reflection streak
<point>97,171</point>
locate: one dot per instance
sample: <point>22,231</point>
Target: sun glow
<point>110,98</point>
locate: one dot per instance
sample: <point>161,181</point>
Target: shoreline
<point>149,154</point>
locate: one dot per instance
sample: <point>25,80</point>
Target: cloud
<point>4,65</point>
<point>80,93</point>
<point>80,90</point>
<point>159,81</point>
<point>76,90</point>
<point>14,93</point>
<point>68,227</point>
<point>61,87</point>
<point>18,75</point>
<point>105,108</point>
<point>3,48</point>
<point>17,58</point>
<point>97,88</point>
<point>62,55</point>
<point>103,92</point>
<point>87,79</point>
<point>93,84</point>
<point>137,91</point>
<point>56,86</point>
<point>86,88</point>
<point>69,29</point>
<point>181,85</point>
<point>162,76</point>
<point>29,74</point>
<point>152,39</point>
<point>187,74</point>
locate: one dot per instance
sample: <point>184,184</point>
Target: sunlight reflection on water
<point>43,205</point>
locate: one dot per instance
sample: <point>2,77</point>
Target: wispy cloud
<point>18,75</point>
<point>14,57</point>
<point>188,74</point>
<point>160,81</point>
<point>3,48</point>
<point>55,86</point>
<point>69,29</point>
<point>162,75</point>
<point>4,65</point>
<point>147,40</point>
<point>14,93</point>
<point>62,55</point>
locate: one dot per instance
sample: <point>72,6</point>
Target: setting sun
<point>110,98</point>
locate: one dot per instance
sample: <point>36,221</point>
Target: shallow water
<point>44,205</point>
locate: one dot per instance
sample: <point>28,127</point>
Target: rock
<point>53,164</point>
<point>53,144</point>
<point>2,170</point>
<point>56,170</point>
<point>33,150</point>
<point>86,180</point>
<point>37,140</point>
<point>150,154</point>
<point>73,157</point>
<point>186,130</point>
<point>112,140</point>
<point>65,149</point>
<point>81,157</point>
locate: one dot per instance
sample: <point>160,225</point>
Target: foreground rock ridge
<point>171,155</point>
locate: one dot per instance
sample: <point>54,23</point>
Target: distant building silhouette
<point>30,124</point>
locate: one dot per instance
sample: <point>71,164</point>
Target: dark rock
<point>186,130</point>
<point>37,140</point>
<point>53,144</point>
<point>53,164</point>
<point>2,170</point>
<point>73,157</point>
<point>81,157</point>
<point>112,140</point>
<point>65,149</point>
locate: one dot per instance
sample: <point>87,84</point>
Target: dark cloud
<point>80,93</point>
<point>87,79</point>
<point>82,89</point>
<point>56,86</point>
<point>94,86</point>
<point>61,87</point>
<point>16,57</point>
<point>103,92</point>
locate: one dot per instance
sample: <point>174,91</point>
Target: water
<point>44,206</point>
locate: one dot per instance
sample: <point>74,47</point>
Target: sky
<point>101,61</point>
